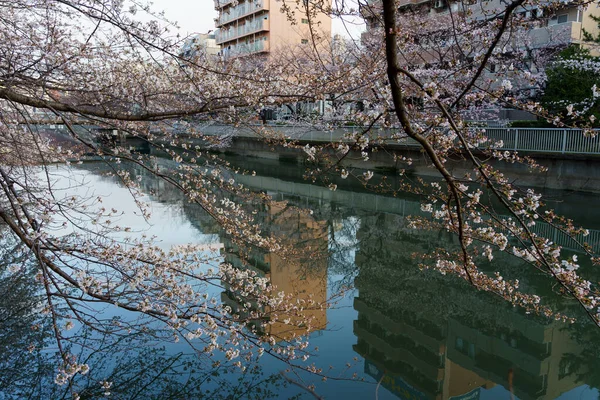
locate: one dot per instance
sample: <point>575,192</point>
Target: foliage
<point>569,84</point>
<point>589,36</point>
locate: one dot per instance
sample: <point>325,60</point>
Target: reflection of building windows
<point>565,368</point>
<point>465,347</point>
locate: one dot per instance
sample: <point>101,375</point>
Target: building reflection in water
<point>426,336</point>
<point>302,274</point>
<point>421,334</point>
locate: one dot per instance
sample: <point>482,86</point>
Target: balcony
<point>259,24</point>
<point>404,3</point>
<point>221,3</point>
<point>240,11</point>
<point>555,35</point>
<point>245,49</point>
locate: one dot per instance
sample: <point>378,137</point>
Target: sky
<point>197,16</point>
<point>193,16</point>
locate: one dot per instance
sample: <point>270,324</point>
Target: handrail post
<point>516,137</point>
<point>564,143</point>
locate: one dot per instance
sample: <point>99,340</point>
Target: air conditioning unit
<point>439,4</point>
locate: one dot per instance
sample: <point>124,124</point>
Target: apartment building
<point>557,28</point>
<point>201,45</point>
<point>260,27</point>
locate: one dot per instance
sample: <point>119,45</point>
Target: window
<point>459,344</point>
<point>465,347</point>
<point>471,351</point>
<point>563,18</point>
<point>304,21</point>
<point>564,368</point>
<point>304,41</point>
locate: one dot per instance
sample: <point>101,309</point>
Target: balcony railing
<point>404,3</point>
<point>244,49</point>
<point>221,3</point>
<point>240,11</point>
<point>558,34</point>
<point>249,27</point>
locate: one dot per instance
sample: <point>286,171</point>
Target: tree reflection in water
<point>26,367</point>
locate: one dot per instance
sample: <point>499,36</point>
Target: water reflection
<point>135,365</point>
<point>420,334</point>
<point>23,335</point>
<point>425,336</point>
<point>302,274</point>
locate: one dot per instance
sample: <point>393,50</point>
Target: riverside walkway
<point>529,140</point>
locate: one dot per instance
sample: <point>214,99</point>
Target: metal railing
<point>546,140</point>
<point>529,140</point>
<point>242,49</point>
<point>240,11</point>
<point>252,25</point>
<point>533,140</point>
<point>565,240</point>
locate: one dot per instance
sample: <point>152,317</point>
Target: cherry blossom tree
<point>81,63</point>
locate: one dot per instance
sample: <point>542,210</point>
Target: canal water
<point>395,331</point>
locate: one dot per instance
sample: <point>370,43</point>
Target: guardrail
<point>546,140</point>
<point>530,140</point>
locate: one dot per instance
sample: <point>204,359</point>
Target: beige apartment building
<point>260,27</point>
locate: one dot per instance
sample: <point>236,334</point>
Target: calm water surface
<point>402,332</point>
